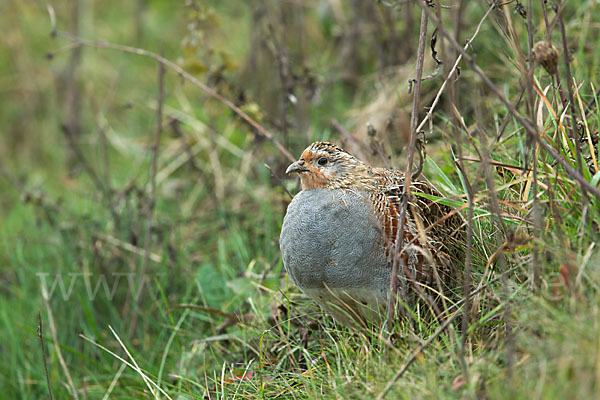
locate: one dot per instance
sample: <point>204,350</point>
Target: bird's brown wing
<point>431,229</point>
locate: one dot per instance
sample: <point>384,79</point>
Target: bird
<point>339,234</point>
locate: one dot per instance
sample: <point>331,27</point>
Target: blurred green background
<point>215,317</point>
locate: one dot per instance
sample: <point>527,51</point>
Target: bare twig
<point>495,211</point>
<point>59,355</point>
<point>537,220</point>
<point>543,4</point>
<point>186,75</point>
<point>278,180</point>
<point>438,64</point>
<point>455,117</point>
<point>460,350</point>
<point>468,257</point>
<point>40,334</point>
<point>399,246</point>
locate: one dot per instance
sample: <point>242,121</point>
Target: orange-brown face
<point>325,165</point>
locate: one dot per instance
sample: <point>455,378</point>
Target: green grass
<point>218,317</point>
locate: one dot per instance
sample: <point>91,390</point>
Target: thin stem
<point>187,76</point>
<point>407,176</point>
<point>40,334</point>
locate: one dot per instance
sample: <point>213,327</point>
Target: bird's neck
<point>361,178</point>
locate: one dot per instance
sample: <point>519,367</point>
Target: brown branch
<point>185,75</point>
<point>471,205</point>
<point>278,180</point>
<point>537,218</point>
<point>398,260</point>
<point>57,350</point>
<point>40,334</point>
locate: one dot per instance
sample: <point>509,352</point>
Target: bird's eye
<point>322,161</point>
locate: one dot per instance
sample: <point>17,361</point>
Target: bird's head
<point>325,165</point>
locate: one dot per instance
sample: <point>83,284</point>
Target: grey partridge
<point>338,235</point>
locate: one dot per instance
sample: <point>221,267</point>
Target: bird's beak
<point>297,166</point>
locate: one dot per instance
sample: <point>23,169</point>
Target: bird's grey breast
<point>332,238</point>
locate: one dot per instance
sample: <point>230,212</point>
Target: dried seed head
<point>521,10</point>
<point>546,54</point>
